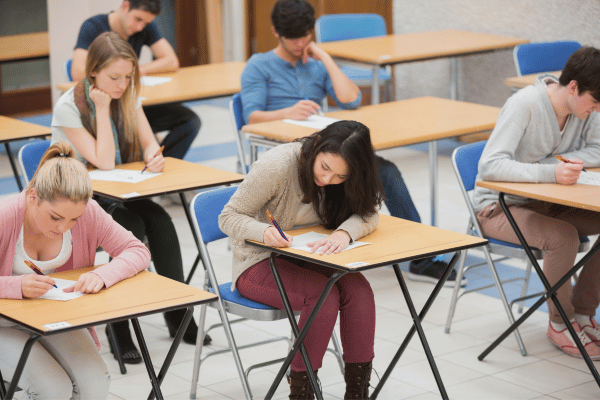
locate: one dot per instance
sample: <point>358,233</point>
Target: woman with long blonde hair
<point>103,119</point>
<point>54,224</point>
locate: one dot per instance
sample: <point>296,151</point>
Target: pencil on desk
<point>35,269</point>
<point>157,153</point>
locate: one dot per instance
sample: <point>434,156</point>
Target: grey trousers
<point>556,230</point>
<point>62,366</point>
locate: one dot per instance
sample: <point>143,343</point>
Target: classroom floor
<point>546,373</point>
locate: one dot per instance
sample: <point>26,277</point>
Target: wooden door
<point>190,32</point>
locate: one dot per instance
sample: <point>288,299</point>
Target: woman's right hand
<point>33,286</point>
<point>101,99</point>
<point>273,238</point>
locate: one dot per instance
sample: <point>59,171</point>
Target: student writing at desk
<point>553,117</point>
<point>291,80</point>
<point>101,117</point>
<point>329,178</point>
<point>55,224</point>
<point>134,22</point>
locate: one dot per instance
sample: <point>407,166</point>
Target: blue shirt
<point>270,83</point>
<point>94,26</point>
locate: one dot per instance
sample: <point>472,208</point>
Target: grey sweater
<point>525,139</point>
<point>272,184</point>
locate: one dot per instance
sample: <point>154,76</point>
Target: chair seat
<point>236,297</point>
<point>364,74</point>
<point>237,304</point>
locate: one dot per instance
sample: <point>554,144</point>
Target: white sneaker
<point>592,330</point>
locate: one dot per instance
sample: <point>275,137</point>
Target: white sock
<point>583,320</point>
<point>557,326</point>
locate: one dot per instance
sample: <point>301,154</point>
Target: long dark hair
<point>361,193</point>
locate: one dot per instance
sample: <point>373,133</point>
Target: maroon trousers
<point>304,282</point>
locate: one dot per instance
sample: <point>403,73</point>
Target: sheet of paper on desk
<point>58,294</point>
<point>589,178</point>
<point>154,80</point>
<point>314,121</point>
<point>122,175</point>
<point>300,241</point>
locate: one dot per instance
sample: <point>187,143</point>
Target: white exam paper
<point>589,178</point>
<point>154,80</point>
<point>300,241</point>
<point>122,175</point>
<point>58,294</point>
<point>314,121</point>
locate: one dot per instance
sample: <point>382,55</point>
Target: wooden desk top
<point>586,197</point>
<point>191,83</point>
<point>399,123</point>
<point>395,240</point>
<point>394,49</point>
<point>24,46</point>
<point>178,176</point>
<point>519,82</point>
<point>14,129</point>
<point>145,293</point>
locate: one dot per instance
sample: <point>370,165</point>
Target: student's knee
<point>60,387</point>
<point>563,237</point>
<point>95,385</point>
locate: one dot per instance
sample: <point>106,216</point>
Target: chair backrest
<point>465,160</point>
<point>30,156</point>
<point>67,69</point>
<point>205,208</point>
<point>531,58</point>
<point>237,119</point>
<point>332,27</point>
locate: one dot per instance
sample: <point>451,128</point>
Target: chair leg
<point>525,286</point>
<point>337,350</point>
<point>2,387</point>
<point>459,276</point>
<point>198,350</point>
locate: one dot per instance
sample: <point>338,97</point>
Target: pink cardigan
<point>95,228</point>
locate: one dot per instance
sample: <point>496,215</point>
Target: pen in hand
<point>35,269</point>
<point>157,153</point>
<point>276,225</point>
<point>561,158</point>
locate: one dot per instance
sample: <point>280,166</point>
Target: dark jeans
<point>398,200</point>
<point>181,122</point>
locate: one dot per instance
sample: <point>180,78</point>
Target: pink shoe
<point>592,329</point>
<point>562,339</point>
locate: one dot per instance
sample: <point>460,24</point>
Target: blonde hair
<point>60,175</point>
<point>104,50</point>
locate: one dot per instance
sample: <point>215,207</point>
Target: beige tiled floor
<point>545,373</point>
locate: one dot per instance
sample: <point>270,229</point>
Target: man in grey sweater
<point>553,117</point>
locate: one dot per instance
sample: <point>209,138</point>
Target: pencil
<point>35,269</point>
<point>157,153</point>
<point>276,225</point>
<point>561,158</point>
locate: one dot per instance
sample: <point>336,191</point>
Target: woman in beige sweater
<point>328,178</point>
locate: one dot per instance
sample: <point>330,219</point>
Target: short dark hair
<point>584,67</point>
<point>151,6</point>
<point>361,193</point>
<point>293,18</point>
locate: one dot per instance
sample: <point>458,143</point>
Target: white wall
<point>481,76</point>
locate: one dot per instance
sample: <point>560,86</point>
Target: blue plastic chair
<point>334,27</point>
<point>237,120</point>
<point>67,70</point>
<point>532,58</point>
<point>30,156</point>
<point>205,210</point>
<point>465,160</point>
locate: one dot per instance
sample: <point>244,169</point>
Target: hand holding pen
<point>274,235</point>
<point>35,285</point>
<point>154,162</point>
<point>567,171</point>
<point>561,158</point>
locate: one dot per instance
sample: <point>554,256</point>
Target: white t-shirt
<point>47,267</point>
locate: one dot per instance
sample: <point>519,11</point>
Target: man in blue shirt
<point>291,80</point>
<point>134,22</point>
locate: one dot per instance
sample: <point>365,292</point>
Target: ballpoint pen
<point>561,158</point>
<point>276,225</point>
<point>35,269</point>
<point>157,153</point>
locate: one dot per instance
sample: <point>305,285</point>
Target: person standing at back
<point>134,22</point>
<point>291,81</point>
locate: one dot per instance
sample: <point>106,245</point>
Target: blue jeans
<point>182,123</point>
<point>398,200</point>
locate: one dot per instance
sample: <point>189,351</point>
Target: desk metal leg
<point>186,209</point>
<point>417,327</point>
<point>13,166</point>
<point>298,345</point>
<point>550,292</point>
<point>454,78</point>
<point>146,357</point>
<point>21,365</point>
<point>375,85</point>
<point>433,178</point>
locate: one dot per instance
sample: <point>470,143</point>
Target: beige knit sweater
<point>273,185</point>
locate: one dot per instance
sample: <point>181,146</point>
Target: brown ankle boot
<point>300,387</point>
<point>357,376</point>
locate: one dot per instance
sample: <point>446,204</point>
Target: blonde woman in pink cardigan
<point>55,224</point>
